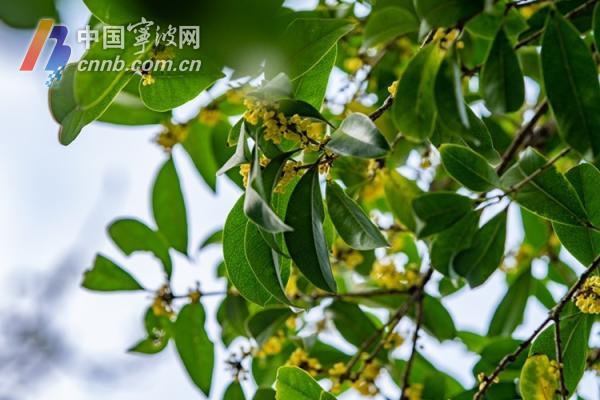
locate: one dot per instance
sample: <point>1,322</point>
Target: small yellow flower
<point>353,64</point>
<point>371,370</point>
<point>271,346</point>
<point>288,174</point>
<point>209,116</point>
<point>300,358</point>
<point>364,387</point>
<point>171,135</point>
<point>147,79</point>
<point>587,298</point>
<point>338,369</point>
<point>393,341</point>
<point>414,391</point>
<point>245,172</point>
<point>393,88</point>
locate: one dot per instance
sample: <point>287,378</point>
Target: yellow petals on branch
<point>393,88</point>
<point>245,172</point>
<point>209,116</point>
<point>300,359</point>
<point>387,276</point>
<point>147,79</point>
<point>171,135</point>
<point>353,64</point>
<point>587,298</point>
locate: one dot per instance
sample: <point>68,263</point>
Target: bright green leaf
<point>469,168</point>
<point>359,137</point>
<point>106,276</point>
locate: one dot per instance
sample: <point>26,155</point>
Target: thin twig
<point>559,358</point>
<point>415,338</point>
<point>379,112</point>
<point>553,314</point>
<point>520,137</point>
<point>571,14</point>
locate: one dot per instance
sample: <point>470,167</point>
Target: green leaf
<point>264,263</point>
<point>358,136</point>
<point>583,242</point>
<point>27,15</point>
<point>307,41</point>
<point>447,13</point>
<point>571,83</point>
<point>437,211</point>
<point>312,86</point>
<point>388,23</point>
<point>231,315</point>
<point>168,207</point>
<point>478,262</point>
<point>548,194</point>
<point>106,276</point>
<point>445,247</point>
<point>449,100</point>
<point>306,243</point>
<point>399,193</point>
<point>234,392</point>
<point>128,109</point>
<point>294,383</point>
<point>574,332</point>
<point>509,313</point>
<point>198,144</point>
<point>239,271</point>
<point>70,113</point>
<point>239,156</point>
<point>194,347</point>
<point>352,322</point>
<point>131,235</point>
<point>265,323</point>
<point>493,352</point>
<point>264,394</point>
<point>351,222</point>
<point>501,82</point>
<point>537,230</point>
<point>174,88</point>
<point>256,202</point>
<point>214,238</point>
<point>596,25</point>
<point>537,380</point>
<point>159,330</point>
<point>469,168</point>
<point>437,320</point>
<point>476,136</point>
<point>413,110</point>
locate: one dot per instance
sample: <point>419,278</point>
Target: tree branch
<point>559,358</point>
<point>415,338</point>
<point>553,314</point>
<point>520,137</point>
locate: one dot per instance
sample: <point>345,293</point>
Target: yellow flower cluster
<point>271,346</point>
<point>147,79</point>
<point>481,376</point>
<point>365,384</point>
<point>335,373</point>
<point>245,172</point>
<point>393,341</point>
<point>209,116</point>
<point>353,64</point>
<point>344,254</point>
<point>414,391</point>
<point>161,306</point>
<point>300,358</point>
<point>290,171</point>
<point>171,135</point>
<point>393,88</point>
<point>588,297</point>
<point>387,276</point>
<point>277,126</point>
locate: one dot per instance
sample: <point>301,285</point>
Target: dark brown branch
<point>553,314</point>
<point>384,107</point>
<point>520,137</point>
<point>559,358</point>
<point>415,338</point>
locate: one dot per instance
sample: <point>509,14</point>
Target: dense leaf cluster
<point>388,193</point>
